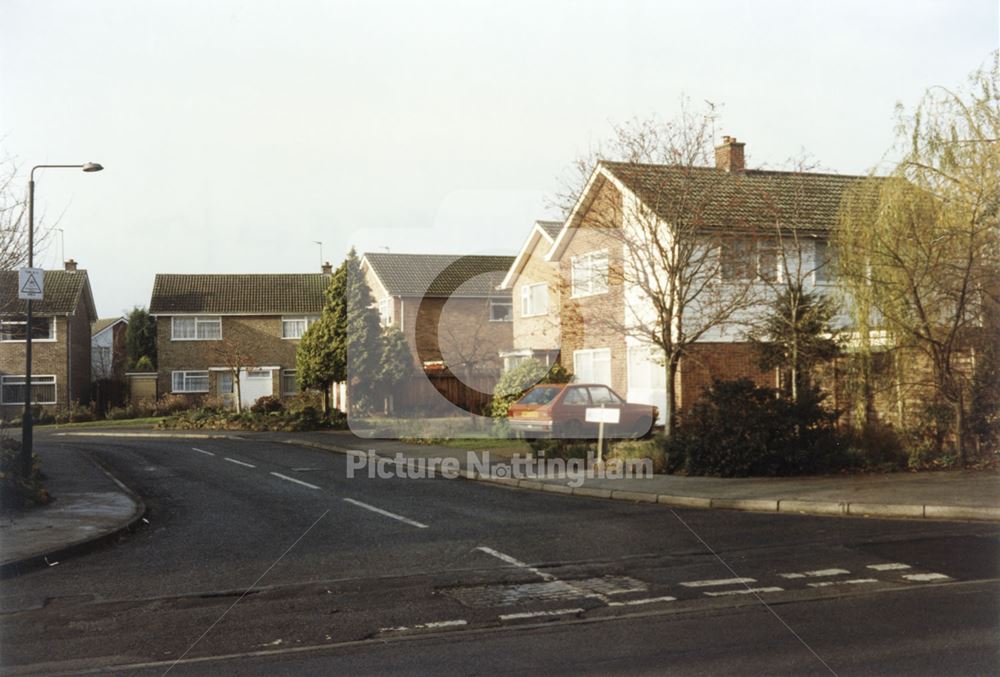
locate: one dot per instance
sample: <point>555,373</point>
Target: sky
<point>237,134</point>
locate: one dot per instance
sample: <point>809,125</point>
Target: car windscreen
<point>539,396</point>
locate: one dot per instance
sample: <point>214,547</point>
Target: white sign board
<point>601,415</point>
<point>30,284</point>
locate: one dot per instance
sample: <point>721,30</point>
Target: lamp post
<point>27,432</point>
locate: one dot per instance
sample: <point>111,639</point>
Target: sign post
<point>600,416</point>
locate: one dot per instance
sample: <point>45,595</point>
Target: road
<point>260,557</point>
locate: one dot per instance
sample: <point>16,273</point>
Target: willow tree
<point>918,249</point>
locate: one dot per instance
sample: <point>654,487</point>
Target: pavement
<point>89,506</point>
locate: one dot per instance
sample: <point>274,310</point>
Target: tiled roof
<point>551,228</point>
<point>754,198</point>
<point>61,293</point>
<point>259,294</point>
<point>439,274</point>
<point>103,323</point>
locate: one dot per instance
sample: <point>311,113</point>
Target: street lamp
<point>27,433</point>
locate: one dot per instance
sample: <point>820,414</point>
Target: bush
<point>170,404</point>
<point>878,447</point>
<point>118,414</point>
<point>739,429</point>
<point>144,364</point>
<point>17,493</point>
<point>81,412</point>
<point>515,382</point>
<point>267,405</point>
<point>633,450</point>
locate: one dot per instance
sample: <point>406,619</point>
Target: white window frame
<point>24,320</point>
<point>527,307</point>
<point>824,272</point>
<point>307,320</point>
<point>596,281</point>
<point>36,380</point>
<point>385,311</point>
<point>289,373</point>
<point>185,375</point>
<point>199,320</point>
<point>501,302</point>
<point>593,354</point>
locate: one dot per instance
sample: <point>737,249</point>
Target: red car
<point>560,410</point>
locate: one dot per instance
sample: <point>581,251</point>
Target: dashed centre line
<point>892,566</point>
<point>427,626</point>
<point>647,600</point>
<point>819,573</point>
<point>380,511</point>
<point>852,581</point>
<point>202,451</point>
<point>292,479</point>
<point>926,577</point>
<point>233,460</point>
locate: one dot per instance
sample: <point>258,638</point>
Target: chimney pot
<point>327,268</point>
<point>729,156</point>
<point>70,265</point>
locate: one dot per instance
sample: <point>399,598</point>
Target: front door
<point>254,384</point>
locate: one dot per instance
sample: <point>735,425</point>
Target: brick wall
<point>726,361</point>
<point>259,335</point>
<point>595,321</point>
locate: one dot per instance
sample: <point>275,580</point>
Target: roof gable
<point>103,323</point>
<point>542,234</point>
<point>239,294</point>
<point>438,275</point>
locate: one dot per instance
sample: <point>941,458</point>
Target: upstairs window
<point>501,310</point>
<point>16,329</point>
<point>743,258</point>
<point>534,299</point>
<point>589,273</point>
<point>385,311</point>
<point>825,263</point>
<point>196,328</point>
<point>295,327</point>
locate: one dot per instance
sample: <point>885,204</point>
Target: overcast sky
<point>234,134</point>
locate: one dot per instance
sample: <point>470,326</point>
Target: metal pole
<point>27,431</point>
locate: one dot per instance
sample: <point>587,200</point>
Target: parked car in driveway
<point>560,410</point>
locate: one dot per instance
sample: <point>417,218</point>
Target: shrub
<point>515,382</point>
<point>878,447</point>
<point>80,412</point>
<point>739,429</point>
<point>170,404</point>
<point>15,492</point>
<point>118,414</point>
<point>636,450</point>
<point>144,364</point>
<point>267,405</point>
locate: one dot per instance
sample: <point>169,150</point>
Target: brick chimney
<point>729,156</point>
<point>70,265</point>
<point>327,268</point>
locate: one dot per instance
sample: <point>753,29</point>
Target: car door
<point>572,412</point>
<point>604,396</point>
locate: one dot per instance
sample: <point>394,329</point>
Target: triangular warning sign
<point>30,285</point>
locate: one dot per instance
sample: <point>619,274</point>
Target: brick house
<point>60,329</point>
<point>455,320</point>
<point>209,325</point>
<point>596,307</point>
<point>534,286</point>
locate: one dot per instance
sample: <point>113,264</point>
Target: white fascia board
<point>537,233</point>
<point>599,174</point>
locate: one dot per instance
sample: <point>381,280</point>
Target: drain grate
<point>549,591</point>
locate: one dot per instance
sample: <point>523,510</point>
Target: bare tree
<point>685,274</point>
<point>236,358</point>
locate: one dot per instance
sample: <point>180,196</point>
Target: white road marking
<point>647,600</point>
<point>893,566</point>
<point>380,511</point>
<point>537,614</point>
<point>516,562</point>
<point>742,591</point>
<point>717,581</point>
<point>927,577</point>
<point>427,626</point>
<point>852,581</point>
<point>819,573</point>
<point>543,575</point>
<point>292,479</point>
<point>202,451</point>
<point>233,460</point>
